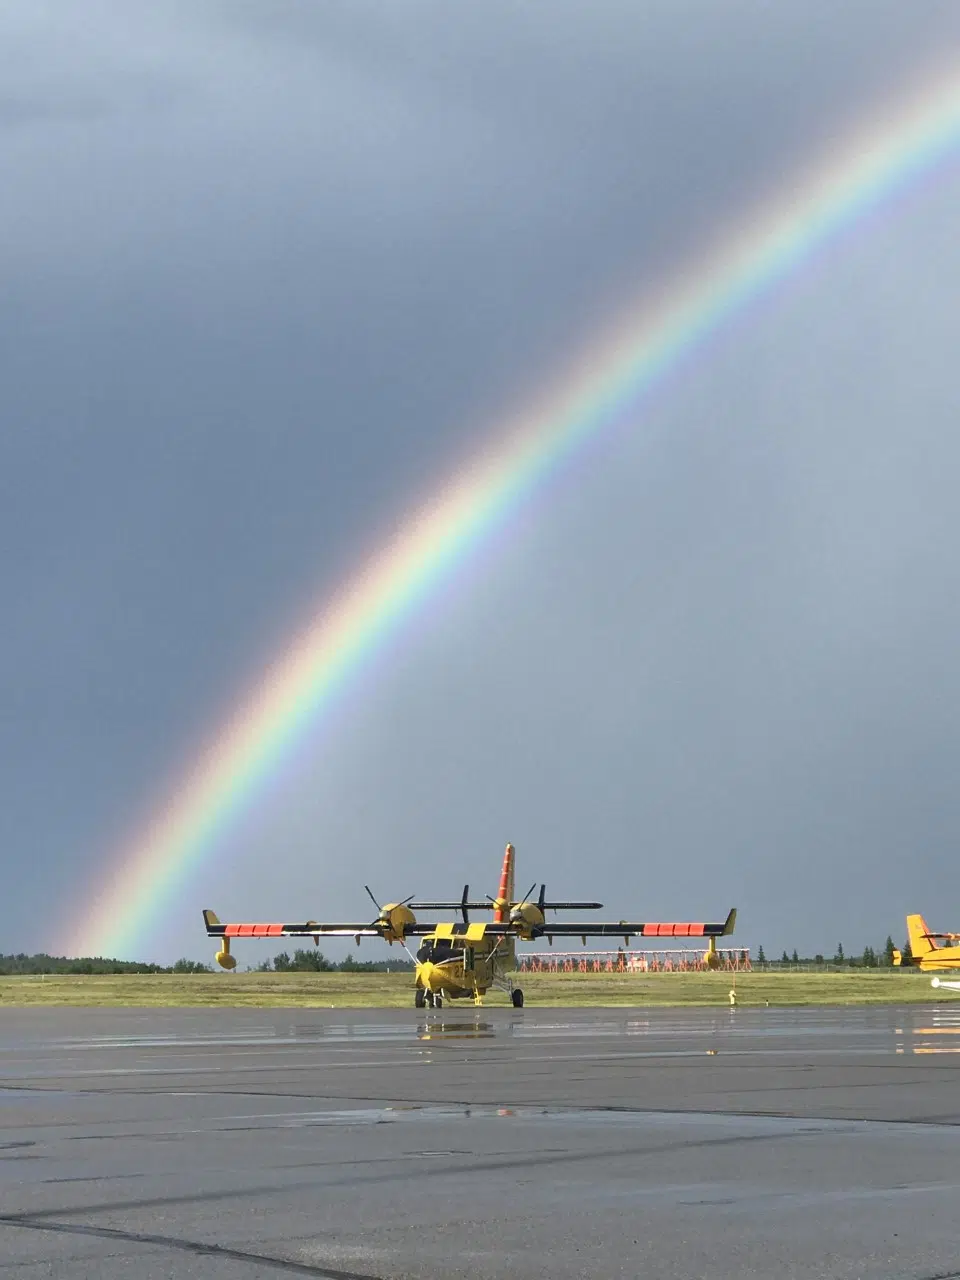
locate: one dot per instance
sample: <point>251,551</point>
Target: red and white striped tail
<point>506,891</point>
<point>507,951</point>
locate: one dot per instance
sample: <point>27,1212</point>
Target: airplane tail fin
<point>919,935</point>
<point>506,890</point>
<point>505,894</point>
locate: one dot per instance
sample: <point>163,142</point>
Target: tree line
<point>301,961</point>
<point>42,963</point>
<point>866,959</point>
<point>314,961</point>
<point>306,961</point>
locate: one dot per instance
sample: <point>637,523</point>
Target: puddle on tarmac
<point>606,1116</point>
<point>456,1031</point>
<point>14,1095</point>
<point>249,1037</point>
<point>933,1036</point>
<point>672,1033</point>
<point>419,1114</point>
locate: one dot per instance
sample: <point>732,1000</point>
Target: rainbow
<point>912,139</point>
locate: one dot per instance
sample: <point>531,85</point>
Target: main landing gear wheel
<point>419,997</point>
<point>516,995</point>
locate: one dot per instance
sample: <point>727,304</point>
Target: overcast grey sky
<point>269,269</point>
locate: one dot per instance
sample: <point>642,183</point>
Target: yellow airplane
<point>928,954</point>
<point>461,959</point>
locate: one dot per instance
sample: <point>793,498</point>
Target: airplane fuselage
<point>460,963</point>
<point>940,959</point>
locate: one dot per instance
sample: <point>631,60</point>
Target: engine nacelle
<point>396,918</point>
<point>526,916</point>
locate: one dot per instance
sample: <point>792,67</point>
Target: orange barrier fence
<point>672,961</point>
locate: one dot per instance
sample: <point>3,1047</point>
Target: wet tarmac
<point>483,1143</point>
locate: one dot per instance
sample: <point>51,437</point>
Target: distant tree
<point>761,958</point>
<point>183,965</point>
<point>784,959</point>
<point>795,958</point>
<point>281,962</point>
<point>349,965</point>
<point>818,958</point>
<point>839,956</point>
<point>869,960</point>
<point>906,953</point>
<point>311,961</point>
<point>265,966</point>
<point>888,950</point>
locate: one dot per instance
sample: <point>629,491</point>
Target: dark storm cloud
<point>270,269</point>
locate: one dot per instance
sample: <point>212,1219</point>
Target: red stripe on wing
<point>253,930</point>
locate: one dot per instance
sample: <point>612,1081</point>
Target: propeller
<point>516,911</point>
<point>380,910</point>
<point>373,900</point>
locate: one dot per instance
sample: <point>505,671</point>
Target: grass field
<point>394,991</point>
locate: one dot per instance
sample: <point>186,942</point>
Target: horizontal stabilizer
<point>570,906</point>
<point>490,905</point>
<point>451,906</point>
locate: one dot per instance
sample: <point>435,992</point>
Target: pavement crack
<point>477,1166</point>
<point>196,1247</point>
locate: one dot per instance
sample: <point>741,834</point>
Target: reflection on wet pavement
<point>933,1036</point>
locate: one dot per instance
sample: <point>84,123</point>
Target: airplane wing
<point>628,929</point>
<point>216,928</point>
<point>383,928</point>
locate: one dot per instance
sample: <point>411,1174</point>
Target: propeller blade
<point>372,898</point>
<point>526,896</point>
<point>463,903</point>
<point>543,897</point>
